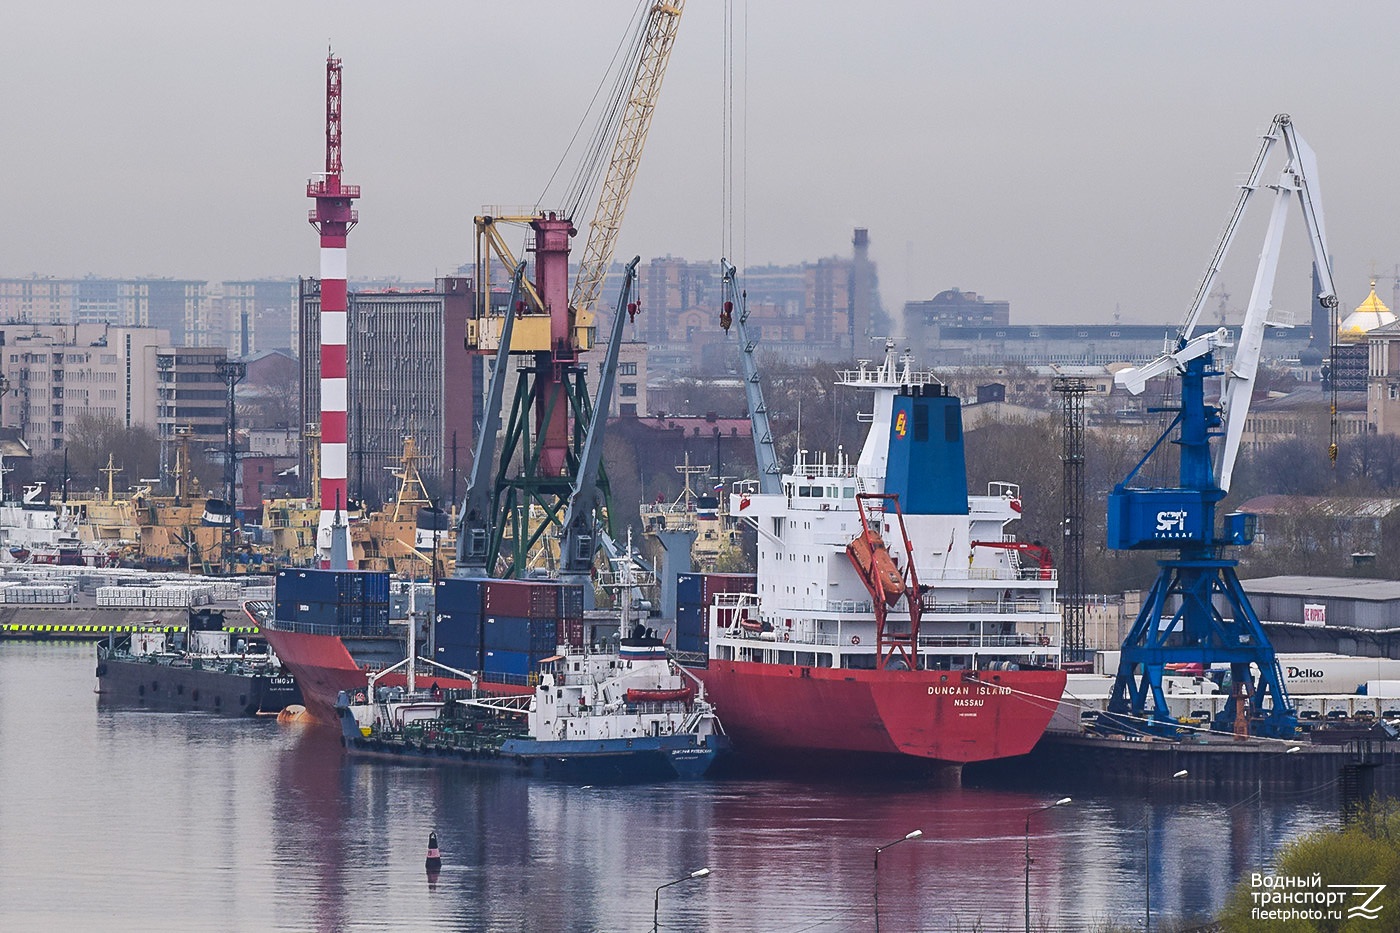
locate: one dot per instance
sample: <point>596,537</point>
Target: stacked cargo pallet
<point>164,596</point>
<point>35,594</point>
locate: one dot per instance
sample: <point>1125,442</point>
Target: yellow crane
<point>651,53</point>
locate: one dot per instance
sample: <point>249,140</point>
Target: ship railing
<point>990,573</point>
<point>811,470</point>
<point>1022,640</point>
<point>656,707</point>
<point>689,658</point>
<point>517,679</point>
<point>344,631</point>
<point>987,607</point>
<point>849,605</point>
<point>668,508</point>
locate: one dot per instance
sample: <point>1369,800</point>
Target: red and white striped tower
<point>333,217</point>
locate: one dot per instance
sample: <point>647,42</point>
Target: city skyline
<point>1071,160</point>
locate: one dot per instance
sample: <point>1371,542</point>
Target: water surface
<point>114,819</point>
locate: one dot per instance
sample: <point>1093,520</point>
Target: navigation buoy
<point>434,860</point>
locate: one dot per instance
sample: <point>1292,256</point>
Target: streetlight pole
<point>1147,853</point>
<point>656,899</point>
<point>878,849</point>
<point>1060,802</point>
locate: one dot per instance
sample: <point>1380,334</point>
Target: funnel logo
<point>901,423</point>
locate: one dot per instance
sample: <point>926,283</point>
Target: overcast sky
<point>1070,157</point>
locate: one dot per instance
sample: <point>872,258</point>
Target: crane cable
<point>730,183</point>
<point>589,169</point>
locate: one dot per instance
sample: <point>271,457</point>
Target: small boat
<point>632,715</point>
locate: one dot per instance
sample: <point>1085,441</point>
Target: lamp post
<point>1259,799</point>
<point>1147,853</point>
<point>878,849</point>
<point>1057,803</point>
<point>656,899</point>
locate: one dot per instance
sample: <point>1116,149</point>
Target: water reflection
<point>127,820</point>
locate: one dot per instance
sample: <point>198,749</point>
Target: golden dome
<point>1369,315</point>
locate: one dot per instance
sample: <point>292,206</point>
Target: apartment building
<point>57,374</point>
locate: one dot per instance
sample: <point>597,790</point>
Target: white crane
<point>1298,177</point>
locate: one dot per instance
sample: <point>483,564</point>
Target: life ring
<point>787,636</point>
<point>360,696</point>
<point>855,639</point>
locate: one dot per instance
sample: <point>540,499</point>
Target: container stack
<point>458,642</point>
<point>505,627</point>
<point>336,600</point>
<point>695,595</point>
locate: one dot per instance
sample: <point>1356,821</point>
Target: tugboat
<point>630,715</point>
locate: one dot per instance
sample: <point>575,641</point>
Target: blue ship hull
<point>602,761</point>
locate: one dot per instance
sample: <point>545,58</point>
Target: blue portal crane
<point>1197,611</point>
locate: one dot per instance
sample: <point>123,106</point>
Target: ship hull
<point>324,668</point>
<point>777,710</point>
<point>139,684</point>
<point>606,761</point>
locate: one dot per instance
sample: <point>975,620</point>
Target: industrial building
<point>1345,615</point>
<point>408,374</point>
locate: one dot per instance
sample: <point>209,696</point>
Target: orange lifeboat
<point>873,560</point>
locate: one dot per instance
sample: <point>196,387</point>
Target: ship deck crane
<point>1181,619</point>
<point>770,474</point>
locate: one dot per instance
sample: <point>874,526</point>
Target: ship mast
<point>111,469</point>
<point>411,488</point>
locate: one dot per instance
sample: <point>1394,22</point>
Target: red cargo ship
<point>891,614</point>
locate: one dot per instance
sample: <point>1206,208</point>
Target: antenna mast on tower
<point>333,217</point>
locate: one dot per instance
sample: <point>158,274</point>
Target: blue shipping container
<point>690,588</point>
<point>690,620</point>
<point>456,629</point>
<point>462,657</point>
<point>508,633</point>
<point>571,602</point>
<point>459,596</point>
<point>693,643</point>
<point>507,662</point>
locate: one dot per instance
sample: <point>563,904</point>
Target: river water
<point>117,819</point>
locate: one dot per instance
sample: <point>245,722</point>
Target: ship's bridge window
<point>850,492</point>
